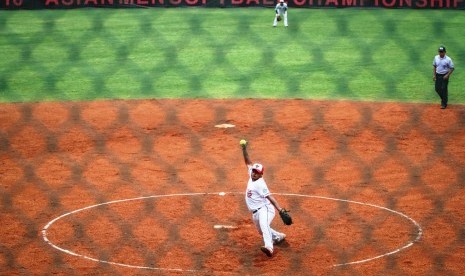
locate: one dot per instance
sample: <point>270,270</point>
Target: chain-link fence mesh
<point>132,187</point>
<point>166,53</point>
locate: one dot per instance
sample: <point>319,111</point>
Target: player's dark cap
<point>258,168</point>
<point>442,49</point>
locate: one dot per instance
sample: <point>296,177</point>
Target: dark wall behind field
<point>70,4</point>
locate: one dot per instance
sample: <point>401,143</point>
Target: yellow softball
<point>243,142</point>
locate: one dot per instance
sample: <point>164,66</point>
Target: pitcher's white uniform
<point>281,10</point>
<point>261,208</point>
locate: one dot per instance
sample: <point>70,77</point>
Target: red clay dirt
<point>132,187</point>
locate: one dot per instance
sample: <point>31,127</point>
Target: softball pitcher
<point>261,204</point>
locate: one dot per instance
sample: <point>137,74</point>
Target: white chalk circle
<point>402,215</point>
<point>64,250</point>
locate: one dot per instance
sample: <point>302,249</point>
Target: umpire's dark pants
<point>441,88</point>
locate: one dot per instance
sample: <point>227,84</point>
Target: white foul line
<point>44,230</point>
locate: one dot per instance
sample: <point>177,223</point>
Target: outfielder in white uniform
<point>281,10</point>
<point>261,204</point>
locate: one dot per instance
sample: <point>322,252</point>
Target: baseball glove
<point>278,17</point>
<point>284,214</point>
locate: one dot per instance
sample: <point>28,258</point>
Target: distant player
<point>281,12</point>
<point>261,204</point>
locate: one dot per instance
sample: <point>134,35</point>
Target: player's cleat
<point>267,251</point>
<point>279,238</point>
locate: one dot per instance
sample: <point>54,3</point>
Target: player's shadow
<point>283,244</point>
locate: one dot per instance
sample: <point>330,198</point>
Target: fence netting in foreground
<point>132,187</point>
<point>124,187</point>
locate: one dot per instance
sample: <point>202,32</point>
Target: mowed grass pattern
<point>357,54</point>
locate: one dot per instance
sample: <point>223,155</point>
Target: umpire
<point>442,69</point>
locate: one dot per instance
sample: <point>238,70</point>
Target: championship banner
<point>71,4</point>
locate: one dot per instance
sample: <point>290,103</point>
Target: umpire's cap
<point>442,49</point>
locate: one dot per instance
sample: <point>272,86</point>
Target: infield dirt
<point>60,157</point>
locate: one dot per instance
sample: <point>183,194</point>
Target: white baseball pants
<point>262,220</point>
<point>283,16</point>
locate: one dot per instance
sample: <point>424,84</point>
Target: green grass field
<point>357,54</point>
